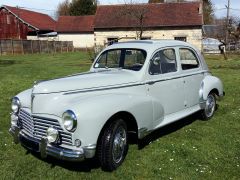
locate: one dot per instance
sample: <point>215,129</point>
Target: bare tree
<point>136,13</point>
<point>63,8</point>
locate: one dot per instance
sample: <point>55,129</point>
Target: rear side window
<point>164,61</point>
<point>188,59</point>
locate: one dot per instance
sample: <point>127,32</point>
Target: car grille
<point>36,127</point>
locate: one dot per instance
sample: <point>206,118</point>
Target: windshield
<point>132,59</point>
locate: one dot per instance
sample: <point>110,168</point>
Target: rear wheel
<point>208,112</point>
<point>113,145</point>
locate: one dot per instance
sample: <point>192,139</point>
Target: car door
<point>165,85</point>
<point>193,75</point>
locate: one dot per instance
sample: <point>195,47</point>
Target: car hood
<point>87,81</point>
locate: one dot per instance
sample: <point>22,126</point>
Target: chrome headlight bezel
<point>69,120</point>
<point>16,104</point>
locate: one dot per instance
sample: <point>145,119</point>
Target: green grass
<point>188,149</point>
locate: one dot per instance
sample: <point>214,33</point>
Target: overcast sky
<point>49,6</point>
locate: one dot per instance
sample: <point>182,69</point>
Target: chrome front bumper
<point>45,149</point>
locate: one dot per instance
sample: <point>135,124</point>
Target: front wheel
<point>208,112</point>
<point>113,145</point>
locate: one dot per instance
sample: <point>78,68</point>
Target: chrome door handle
<point>150,82</point>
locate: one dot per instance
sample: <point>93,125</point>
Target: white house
<point>78,29</point>
<point>180,21</point>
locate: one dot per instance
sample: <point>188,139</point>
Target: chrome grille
<point>36,127</point>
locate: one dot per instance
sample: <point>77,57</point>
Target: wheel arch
<point>210,84</point>
<point>128,118</point>
<point>215,91</point>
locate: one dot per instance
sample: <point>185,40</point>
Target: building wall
<point>193,35</point>
<point>79,40</point>
<point>11,27</point>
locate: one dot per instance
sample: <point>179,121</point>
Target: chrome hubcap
<point>210,105</point>
<point>119,143</point>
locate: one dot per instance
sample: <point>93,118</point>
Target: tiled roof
<point>37,20</point>
<point>75,24</point>
<point>156,15</point>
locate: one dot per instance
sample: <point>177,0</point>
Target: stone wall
<point>193,35</point>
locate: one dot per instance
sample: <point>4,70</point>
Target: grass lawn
<point>188,149</point>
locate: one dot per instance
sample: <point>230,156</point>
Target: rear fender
<point>209,84</point>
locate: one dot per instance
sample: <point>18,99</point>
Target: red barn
<point>17,23</point>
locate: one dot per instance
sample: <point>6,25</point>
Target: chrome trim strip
<point>176,77</point>
<point>104,89</point>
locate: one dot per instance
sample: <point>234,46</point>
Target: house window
<point>111,41</point>
<point>145,38</point>
<point>181,38</point>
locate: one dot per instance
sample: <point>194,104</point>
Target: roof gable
<point>38,21</point>
<point>75,24</point>
<point>155,15</point>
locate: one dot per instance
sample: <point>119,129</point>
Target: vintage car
<point>132,87</point>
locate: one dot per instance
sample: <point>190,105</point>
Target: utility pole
<point>18,24</point>
<point>227,24</point>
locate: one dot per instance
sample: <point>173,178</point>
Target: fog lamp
<point>14,120</point>
<point>52,135</point>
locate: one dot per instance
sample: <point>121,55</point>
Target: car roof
<point>148,44</point>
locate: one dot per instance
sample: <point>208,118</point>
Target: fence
<point>10,46</point>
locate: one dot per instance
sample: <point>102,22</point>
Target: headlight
<point>69,120</point>
<point>15,105</point>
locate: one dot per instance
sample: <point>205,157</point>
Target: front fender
<point>93,113</point>
<point>25,98</point>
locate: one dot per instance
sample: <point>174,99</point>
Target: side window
<point>109,59</point>
<point>164,61</point>
<point>188,59</point>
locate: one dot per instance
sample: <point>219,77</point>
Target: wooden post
<point>22,46</point>
<point>1,46</point>
<point>12,46</point>
<point>61,46</point>
<point>40,48</point>
<point>32,46</point>
<point>54,45</point>
<point>47,47</point>
<point>67,46</point>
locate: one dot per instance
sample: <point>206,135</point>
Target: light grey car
<point>135,87</point>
